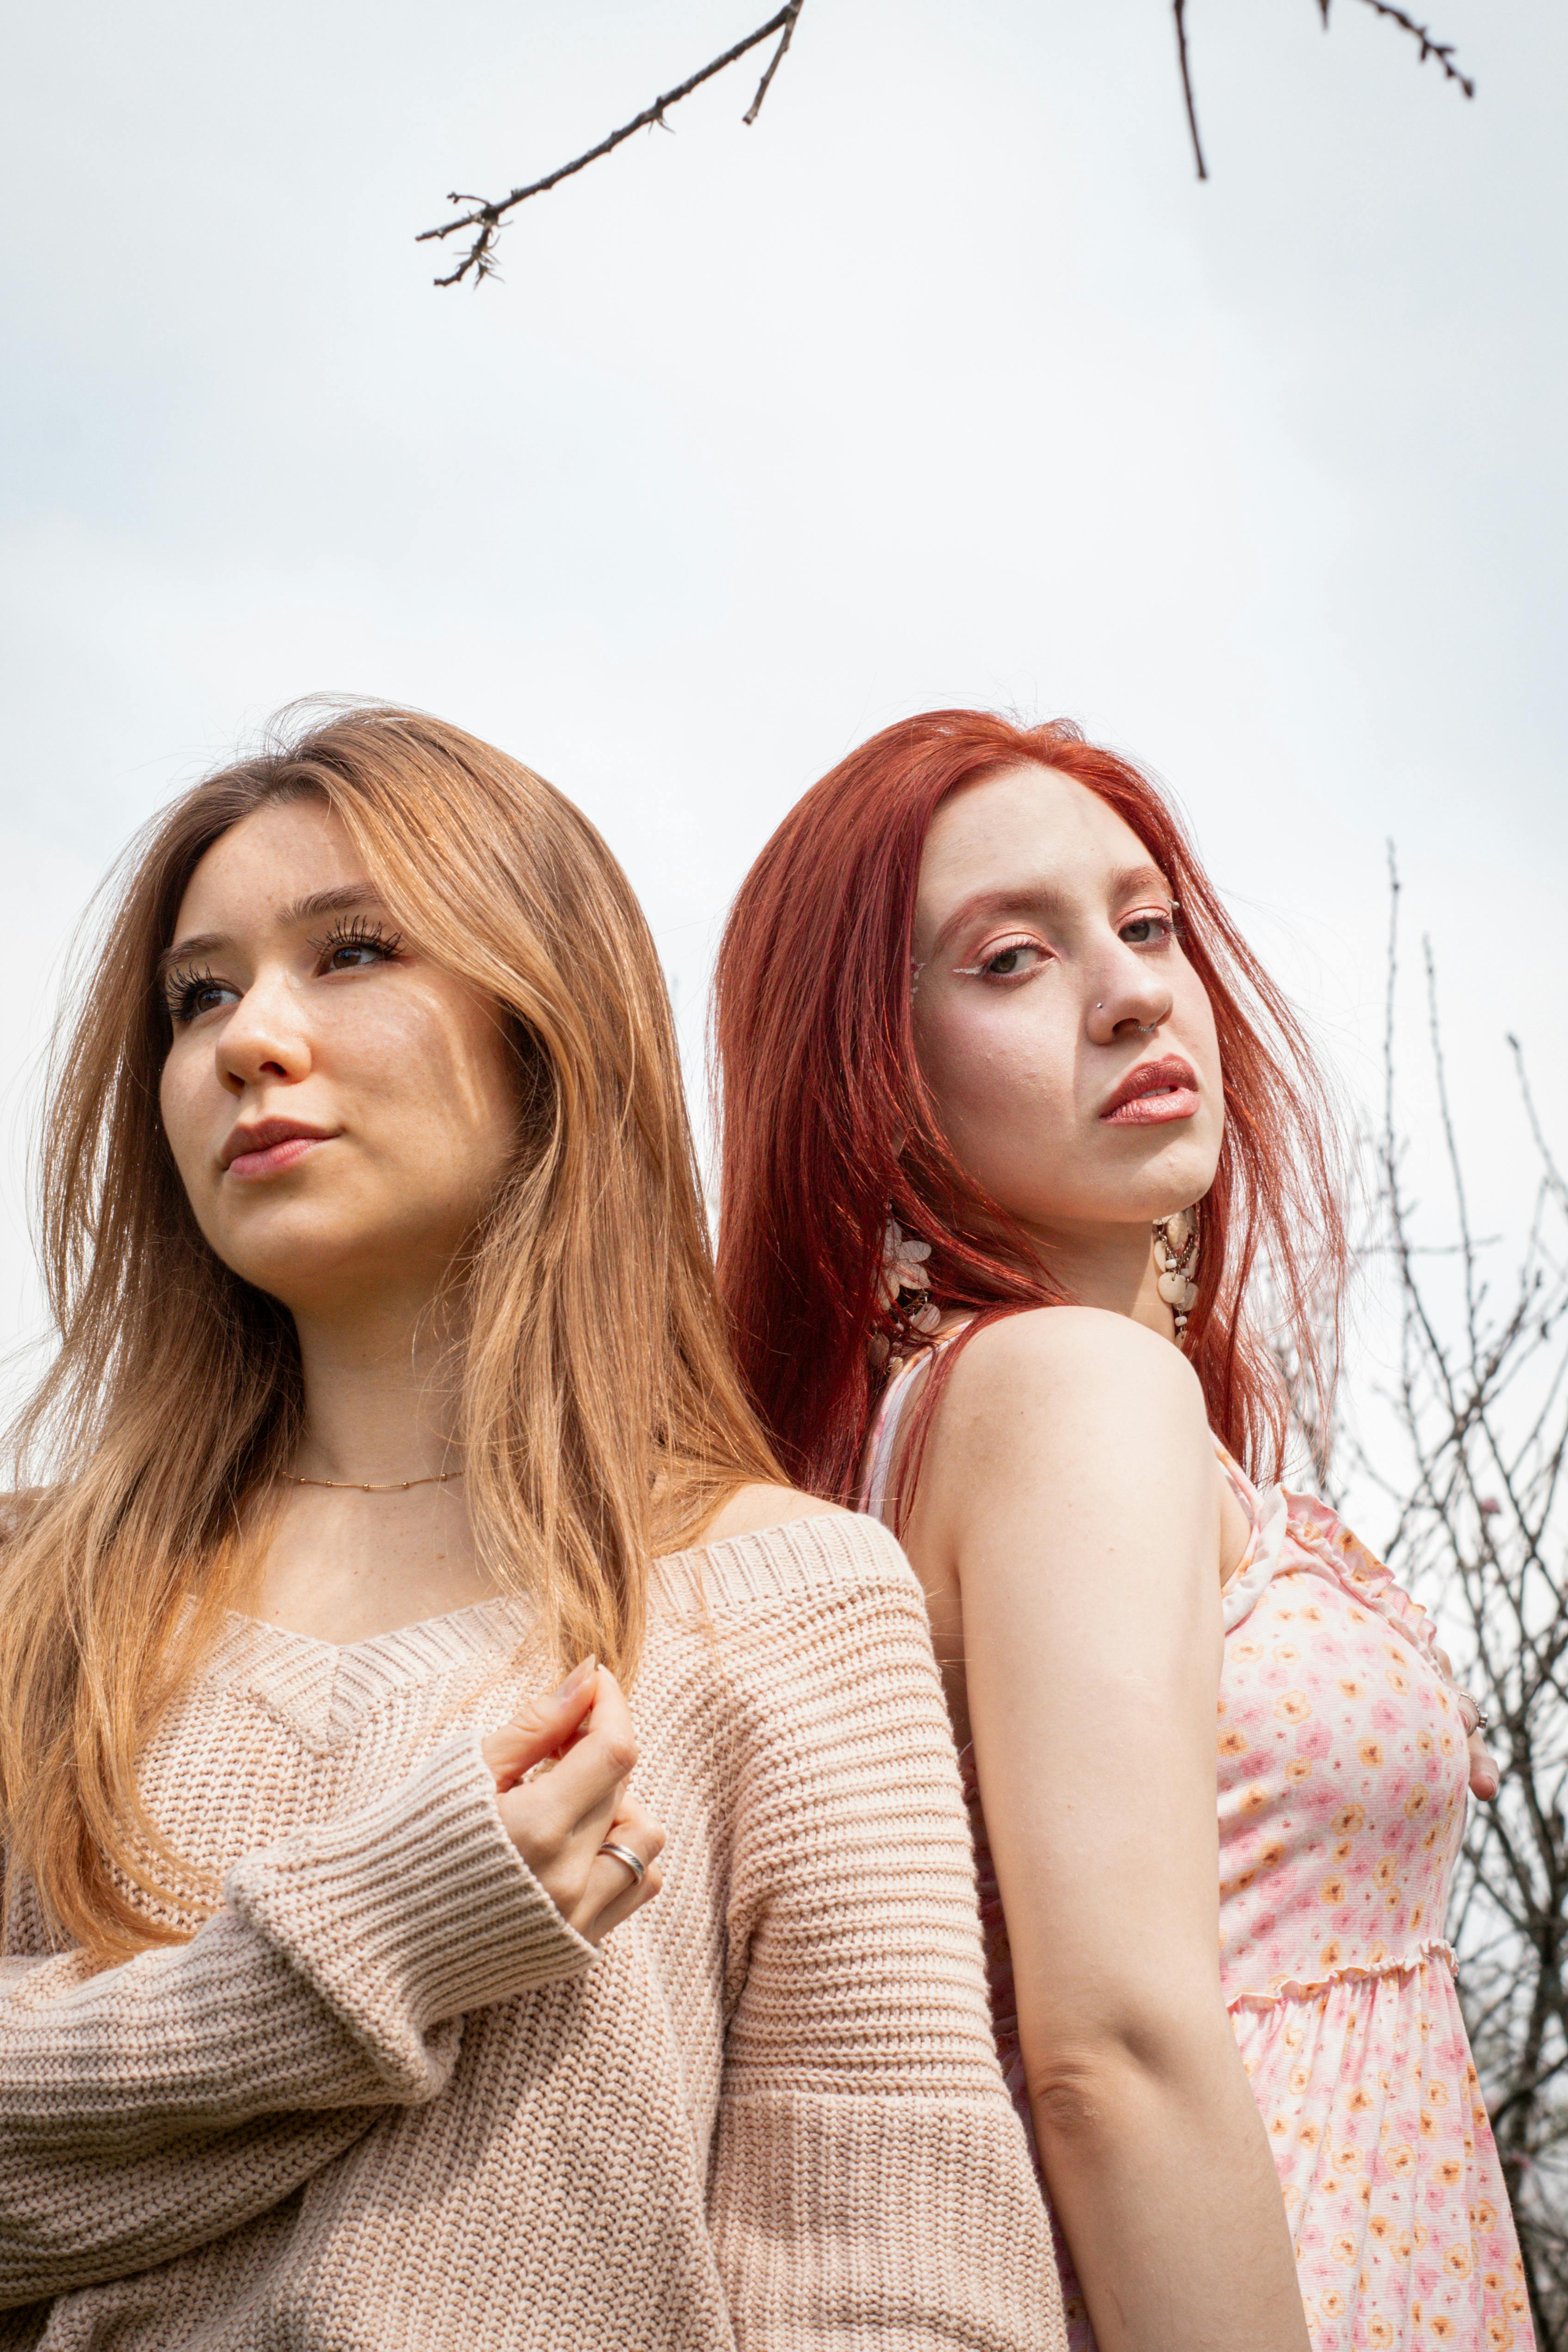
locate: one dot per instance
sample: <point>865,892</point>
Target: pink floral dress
<point>1342,1779</point>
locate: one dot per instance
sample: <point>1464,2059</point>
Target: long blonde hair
<point>601,1421</point>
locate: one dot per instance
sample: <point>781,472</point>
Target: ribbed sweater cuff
<point>418,1909</point>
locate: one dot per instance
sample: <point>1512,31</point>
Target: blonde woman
<point>390,1390</point>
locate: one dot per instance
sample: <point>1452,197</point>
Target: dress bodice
<point>1342,1760</point>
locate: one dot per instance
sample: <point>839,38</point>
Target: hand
<point>1486,1774</point>
<point>560,1818</point>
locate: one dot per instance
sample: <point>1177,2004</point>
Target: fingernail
<point>577,1678</point>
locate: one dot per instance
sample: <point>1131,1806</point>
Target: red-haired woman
<point>1011,1117</point>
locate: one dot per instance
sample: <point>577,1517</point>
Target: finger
<point>540,1727</point>
<point>607,1920</point>
<point>1486,1773</point>
<point>613,1892</point>
<point>633,1828</point>
<point>589,1781</point>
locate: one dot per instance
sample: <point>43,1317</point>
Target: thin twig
<point>489,212</point>
<point>1429,47</point>
<point>1554,1174</point>
<point>776,60</point>
<point>1179,10</point>
<point>1450,1141</point>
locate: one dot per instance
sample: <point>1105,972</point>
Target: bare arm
<point>1070,1490</point>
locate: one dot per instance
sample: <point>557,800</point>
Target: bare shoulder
<point>1061,1392</point>
<point>1052,1348</point>
<point>1069,1418</point>
<point>752,1510</point>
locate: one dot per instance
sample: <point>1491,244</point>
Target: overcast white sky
<point>945,382</point>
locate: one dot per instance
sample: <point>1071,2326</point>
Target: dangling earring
<point>1175,1255</point>
<point>904,1286</point>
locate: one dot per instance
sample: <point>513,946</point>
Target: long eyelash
<point>181,985</point>
<point>360,932</point>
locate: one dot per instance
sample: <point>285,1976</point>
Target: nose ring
<point>1144,1028</point>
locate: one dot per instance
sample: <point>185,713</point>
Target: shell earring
<point>1176,1256</point>
<point>904,1289</point>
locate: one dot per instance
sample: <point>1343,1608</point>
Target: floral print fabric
<point>1344,1774</point>
<point>1343,1783</point>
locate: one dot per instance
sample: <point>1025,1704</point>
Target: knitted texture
<point>388,2101</point>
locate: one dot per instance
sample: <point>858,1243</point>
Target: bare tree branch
<point>1179,10</point>
<point>489,212</point>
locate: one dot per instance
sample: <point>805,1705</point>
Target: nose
<point>1133,995</point>
<point>264,1038</point>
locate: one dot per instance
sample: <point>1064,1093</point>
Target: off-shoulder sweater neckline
<point>760,1564</point>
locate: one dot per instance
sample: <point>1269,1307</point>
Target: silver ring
<point>633,1862</point>
<point>1482,1717</point>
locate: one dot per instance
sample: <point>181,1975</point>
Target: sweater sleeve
<point>871,2186</point>
<point>154,2106</point>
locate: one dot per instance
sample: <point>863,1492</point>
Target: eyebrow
<point>1019,899</point>
<point>308,910</point>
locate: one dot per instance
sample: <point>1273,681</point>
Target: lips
<point>1154,1093</point>
<point>267,1146</point>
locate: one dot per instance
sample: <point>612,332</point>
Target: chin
<point>1172,1176</point>
<point>1168,1175</point>
<point>296,1257</point>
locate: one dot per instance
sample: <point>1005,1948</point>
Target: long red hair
<point>828,1125</point>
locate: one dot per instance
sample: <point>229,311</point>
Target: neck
<point>1109,1266</point>
<point>380,1402</point>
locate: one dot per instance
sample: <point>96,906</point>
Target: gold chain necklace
<point>359,1486</point>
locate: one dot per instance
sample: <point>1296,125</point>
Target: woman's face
<point>341,1109</point>
<point>1068,1042</point>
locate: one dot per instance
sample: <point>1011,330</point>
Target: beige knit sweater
<point>387,2101</point>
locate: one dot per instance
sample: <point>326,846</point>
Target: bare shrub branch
<point>1471,1468</point>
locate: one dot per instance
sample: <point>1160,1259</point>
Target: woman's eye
<point>1013,961</point>
<point>1148,931</point>
<point>353,953</point>
<point>189,995</point>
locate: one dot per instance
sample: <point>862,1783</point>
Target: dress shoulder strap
<point>872,1491</point>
